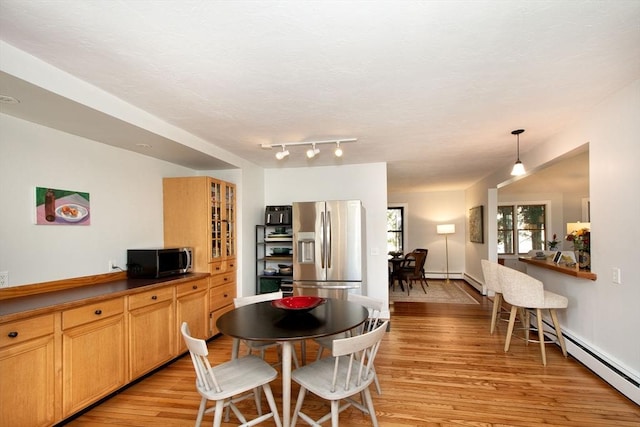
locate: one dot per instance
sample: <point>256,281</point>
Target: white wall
<point>126,202</point>
<point>424,212</point>
<point>601,315</point>
<point>367,183</point>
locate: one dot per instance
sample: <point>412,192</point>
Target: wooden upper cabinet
<point>200,212</point>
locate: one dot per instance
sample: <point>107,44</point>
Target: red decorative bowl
<point>299,303</point>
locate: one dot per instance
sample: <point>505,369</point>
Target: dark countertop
<point>15,308</point>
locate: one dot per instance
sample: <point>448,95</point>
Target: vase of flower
<point>581,240</point>
<point>553,243</point>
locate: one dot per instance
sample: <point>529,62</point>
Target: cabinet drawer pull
<point>218,268</point>
<point>98,312</point>
<point>226,278</point>
<point>195,287</point>
<point>12,334</point>
<point>225,295</point>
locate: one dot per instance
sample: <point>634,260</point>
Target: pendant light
<point>518,167</point>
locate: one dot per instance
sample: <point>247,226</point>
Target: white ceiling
<point>433,88</point>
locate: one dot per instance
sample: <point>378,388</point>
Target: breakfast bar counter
<point>560,268</point>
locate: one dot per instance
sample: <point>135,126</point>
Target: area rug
<point>437,292</point>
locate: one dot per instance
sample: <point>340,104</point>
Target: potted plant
<point>553,243</point>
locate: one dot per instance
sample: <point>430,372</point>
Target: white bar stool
<point>523,291</point>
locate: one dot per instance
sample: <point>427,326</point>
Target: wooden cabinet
<point>93,353</point>
<point>55,364</point>
<point>152,330</point>
<point>221,294</point>
<point>28,372</point>
<point>200,212</point>
<point>192,306</point>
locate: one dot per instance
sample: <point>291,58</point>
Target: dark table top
<point>262,321</point>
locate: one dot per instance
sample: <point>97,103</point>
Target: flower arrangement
<point>553,243</point>
<point>580,239</point>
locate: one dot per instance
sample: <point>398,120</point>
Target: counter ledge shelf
<point>550,265</point>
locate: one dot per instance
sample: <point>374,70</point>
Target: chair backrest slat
<point>252,299</point>
<point>375,307</point>
<point>362,348</point>
<point>199,352</point>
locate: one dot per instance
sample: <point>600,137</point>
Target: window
<point>395,229</point>
<point>521,228</point>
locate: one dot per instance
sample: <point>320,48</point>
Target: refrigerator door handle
<point>329,243</point>
<point>322,239</point>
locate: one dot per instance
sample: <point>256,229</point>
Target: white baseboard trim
<point>475,283</point>
<point>617,376</point>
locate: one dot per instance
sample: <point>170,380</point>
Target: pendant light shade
<point>518,167</point>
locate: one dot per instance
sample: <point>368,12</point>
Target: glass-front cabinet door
<point>230,217</point>
<point>216,219</point>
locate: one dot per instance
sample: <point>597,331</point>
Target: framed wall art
<point>476,232</point>
<point>62,207</point>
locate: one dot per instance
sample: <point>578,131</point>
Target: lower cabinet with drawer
<point>152,330</point>
<point>192,306</point>
<point>28,386</point>
<point>54,365</point>
<point>221,295</point>
<point>93,353</point>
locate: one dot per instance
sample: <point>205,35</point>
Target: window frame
<point>515,231</point>
<point>404,225</point>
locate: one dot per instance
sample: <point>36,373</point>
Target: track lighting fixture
<point>311,152</point>
<point>518,167</point>
<point>282,154</point>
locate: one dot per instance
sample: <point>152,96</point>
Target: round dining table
<point>264,322</point>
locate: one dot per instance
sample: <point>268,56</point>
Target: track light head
<point>282,154</point>
<point>311,152</point>
<point>338,151</point>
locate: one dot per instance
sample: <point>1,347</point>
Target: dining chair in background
<point>230,382</point>
<point>348,373</point>
<point>413,268</point>
<point>375,307</point>
<point>523,291</point>
<point>426,252</point>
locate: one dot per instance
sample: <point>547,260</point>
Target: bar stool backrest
<point>519,288</point>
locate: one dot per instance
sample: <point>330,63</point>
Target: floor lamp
<point>446,229</point>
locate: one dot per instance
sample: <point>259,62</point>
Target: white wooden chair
<point>523,291</point>
<point>230,382</point>
<point>262,346</point>
<point>349,372</point>
<point>375,307</point>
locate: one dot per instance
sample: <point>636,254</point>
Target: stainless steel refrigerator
<point>328,248</point>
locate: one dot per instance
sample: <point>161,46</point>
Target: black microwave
<point>158,262</point>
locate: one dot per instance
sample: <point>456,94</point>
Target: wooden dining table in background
<point>264,322</point>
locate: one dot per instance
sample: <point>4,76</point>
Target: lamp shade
<point>575,226</point>
<point>446,228</point>
<point>518,169</point>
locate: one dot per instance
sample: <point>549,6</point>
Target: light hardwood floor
<point>438,366</point>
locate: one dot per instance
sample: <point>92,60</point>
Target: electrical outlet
<point>616,277</point>
<point>4,279</point>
